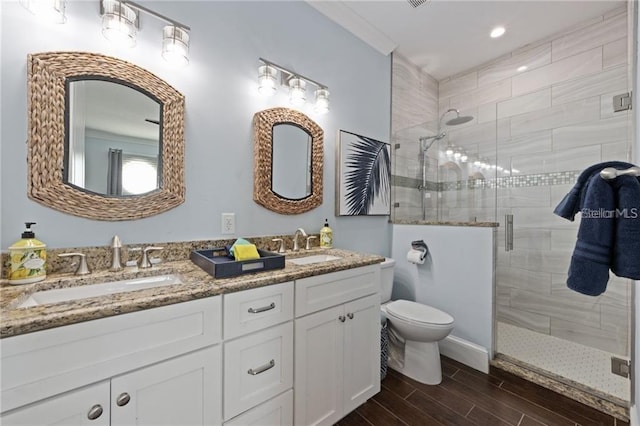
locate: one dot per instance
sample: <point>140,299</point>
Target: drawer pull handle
<point>342,318</point>
<point>262,369</point>
<point>350,315</point>
<point>264,308</point>
<point>123,399</point>
<point>94,412</point>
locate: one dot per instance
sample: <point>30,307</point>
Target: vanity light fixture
<point>50,10</point>
<point>119,23</point>
<point>267,80</point>
<point>297,91</point>
<point>322,101</point>
<point>296,83</point>
<point>464,157</point>
<point>121,20</point>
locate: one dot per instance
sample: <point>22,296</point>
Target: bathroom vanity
<point>202,352</point>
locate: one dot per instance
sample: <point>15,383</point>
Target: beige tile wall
<point>554,117</point>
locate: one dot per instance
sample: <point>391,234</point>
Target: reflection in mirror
<point>291,157</point>
<point>114,142</point>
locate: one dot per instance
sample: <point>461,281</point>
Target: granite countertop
<point>195,284</point>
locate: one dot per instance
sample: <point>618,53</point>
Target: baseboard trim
<point>470,354</point>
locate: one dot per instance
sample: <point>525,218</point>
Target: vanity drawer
<point>275,412</point>
<point>257,367</point>
<point>324,291</point>
<point>45,363</point>
<point>252,310</point>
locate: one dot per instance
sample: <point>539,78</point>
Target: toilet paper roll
<point>415,256</point>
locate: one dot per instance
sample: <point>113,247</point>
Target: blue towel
<point>626,250</point>
<point>609,232</point>
<point>589,268</point>
<point>572,202</point>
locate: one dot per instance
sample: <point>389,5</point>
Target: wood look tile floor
<point>469,397</point>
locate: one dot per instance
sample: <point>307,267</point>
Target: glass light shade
<point>49,10</point>
<point>322,101</point>
<point>175,45</point>
<point>464,157</point>
<point>297,92</point>
<point>119,23</point>
<point>267,80</point>
<point>449,150</point>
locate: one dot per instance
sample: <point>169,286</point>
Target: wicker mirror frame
<point>263,194</point>
<point>47,74</point>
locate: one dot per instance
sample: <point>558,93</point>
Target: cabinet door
<point>88,406</point>
<point>319,342</point>
<point>182,391</point>
<point>257,367</point>
<point>275,412</point>
<point>361,351</point>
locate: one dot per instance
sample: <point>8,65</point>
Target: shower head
<point>457,119</point>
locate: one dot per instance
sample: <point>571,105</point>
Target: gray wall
<point>220,86</point>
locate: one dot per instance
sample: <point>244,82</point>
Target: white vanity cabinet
<point>156,366</point>
<point>258,356</point>
<point>337,344</point>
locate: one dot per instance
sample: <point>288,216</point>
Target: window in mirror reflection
<point>291,156</point>
<point>113,140</point>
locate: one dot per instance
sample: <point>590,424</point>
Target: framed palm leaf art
<point>363,176</point>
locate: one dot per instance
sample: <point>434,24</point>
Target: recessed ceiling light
<point>497,32</point>
<point>522,68</point>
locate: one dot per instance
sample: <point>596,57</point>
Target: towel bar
<point>612,173</point>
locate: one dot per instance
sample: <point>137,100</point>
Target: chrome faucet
<point>116,263</point>
<point>299,231</point>
<point>145,262</point>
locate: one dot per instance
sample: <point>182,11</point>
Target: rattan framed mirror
<point>48,75</point>
<point>287,161</point>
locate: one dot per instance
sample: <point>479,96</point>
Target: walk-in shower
<point>427,141</point>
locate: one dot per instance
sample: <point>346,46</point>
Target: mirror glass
<point>113,138</point>
<point>291,168</point>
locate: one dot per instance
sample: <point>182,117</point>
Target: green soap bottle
<point>28,258</point>
<point>326,236</point>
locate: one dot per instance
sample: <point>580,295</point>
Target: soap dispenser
<point>326,236</point>
<point>28,258</point>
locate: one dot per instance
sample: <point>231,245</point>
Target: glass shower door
<point>550,133</point>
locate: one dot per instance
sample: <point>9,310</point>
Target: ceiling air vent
<point>416,3</point>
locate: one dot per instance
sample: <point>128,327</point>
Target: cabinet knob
<point>341,318</point>
<point>350,315</point>
<point>94,412</point>
<point>123,399</point>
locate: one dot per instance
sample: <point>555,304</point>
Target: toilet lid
<point>417,312</point>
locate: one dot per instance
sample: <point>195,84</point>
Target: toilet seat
<point>418,313</point>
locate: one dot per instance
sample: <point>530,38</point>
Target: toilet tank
<point>386,279</point>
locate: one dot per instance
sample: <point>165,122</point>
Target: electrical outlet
<point>228,223</point>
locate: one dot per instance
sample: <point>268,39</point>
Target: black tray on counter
<point>216,263</point>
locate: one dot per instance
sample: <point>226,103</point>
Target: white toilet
<point>418,328</point>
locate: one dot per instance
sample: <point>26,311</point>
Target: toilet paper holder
<point>420,245</point>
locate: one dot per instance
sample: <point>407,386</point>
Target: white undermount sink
<point>94,290</point>
<point>317,258</point>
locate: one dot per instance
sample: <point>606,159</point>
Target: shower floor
<point>583,366</point>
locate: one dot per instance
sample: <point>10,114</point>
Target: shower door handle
<point>508,232</point>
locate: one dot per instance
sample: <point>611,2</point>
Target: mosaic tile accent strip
<point>538,179</point>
